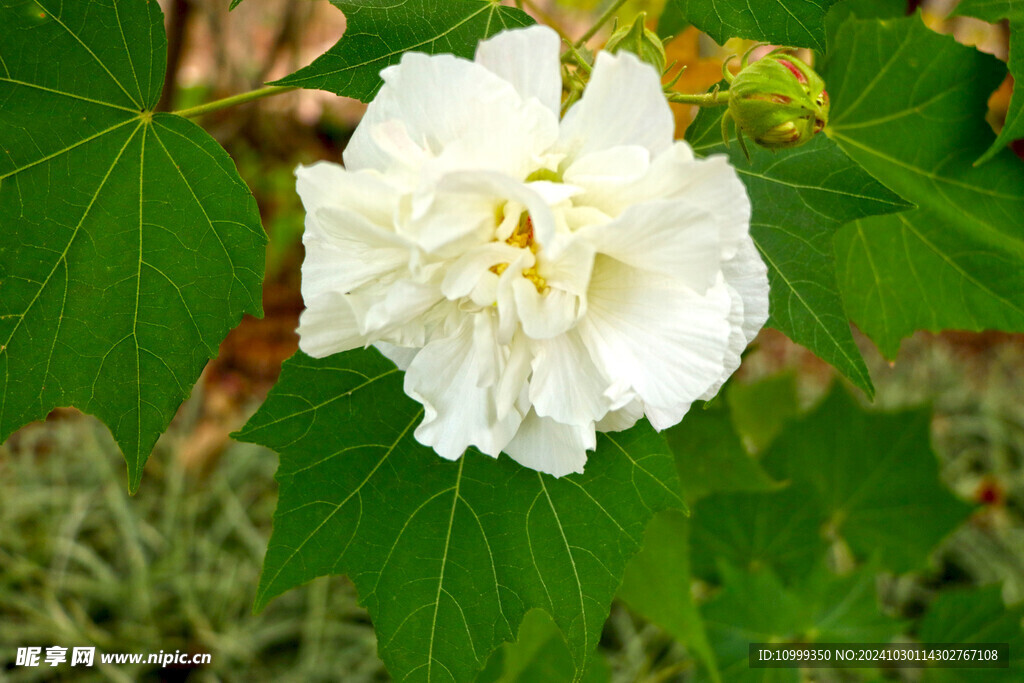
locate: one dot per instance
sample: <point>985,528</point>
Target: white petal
<point>621,419</point>
<point>501,187</point>
<point>567,264</point>
<point>326,184</point>
<point>566,385</point>
<point>512,385</point>
<point>655,334</point>
<point>607,170</point>
<point>464,275</point>
<point>458,413</point>
<point>528,59</point>
<point>671,238</point>
<point>747,273</point>
<point>447,223</point>
<point>401,302</point>
<point>328,326</point>
<point>710,184</point>
<point>544,315</point>
<point>345,251</point>
<point>551,447</point>
<point>747,279</point>
<point>401,356</point>
<point>455,111</point>
<point>623,104</point>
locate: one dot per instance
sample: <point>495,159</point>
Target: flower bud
<point>778,101</point>
<point>639,40</point>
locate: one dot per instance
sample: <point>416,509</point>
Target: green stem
<point>719,98</point>
<point>241,98</point>
<point>608,14</point>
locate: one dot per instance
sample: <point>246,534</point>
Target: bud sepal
<point>778,101</point>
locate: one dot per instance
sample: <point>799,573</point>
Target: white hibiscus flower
<point>537,279</point>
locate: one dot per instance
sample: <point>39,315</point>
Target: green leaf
<point>234,4</point>
<point>671,22</point>
<point>800,198</point>
<point>710,457</point>
<point>797,23</point>
<point>990,10</point>
<point>656,586</point>
<point>761,409</point>
<point>447,556</point>
<point>539,654</point>
<point>379,31</point>
<point>779,529</point>
<point>131,246</point>
<point>908,104</point>
<point>874,476</point>
<point>974,615</point>
<point>993,11</point>
<point>824,608</point>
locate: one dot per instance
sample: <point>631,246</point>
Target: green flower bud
<point>639,40</point>
<point>778,101</point>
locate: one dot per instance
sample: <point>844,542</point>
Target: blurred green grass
<point>173,568</point>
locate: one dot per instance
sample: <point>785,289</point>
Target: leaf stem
<point>601,20</point>
<point>715,98</point>
<point>241,98</point>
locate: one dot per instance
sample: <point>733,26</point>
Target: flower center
<point>522,237</point>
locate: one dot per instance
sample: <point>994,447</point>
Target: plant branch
<point>715,98</point>
<point>241,98</point>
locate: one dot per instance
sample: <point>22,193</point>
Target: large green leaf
<point>447,556</point>
<point>798,23</point>
<point>780,530</point>
<point>874,476</point>
<point>379,31</point>
<point>711,458</point>
<point>974,615</point>
<point>656,585</point>
<point>539,653</point>
<point>800,198</point>
<point>761,409</point>
<point>908,104</point>
<point>757,606</point>
<point>995,10</point>
<point>130,245</point>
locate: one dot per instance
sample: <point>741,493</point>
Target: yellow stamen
<point>533,276</point>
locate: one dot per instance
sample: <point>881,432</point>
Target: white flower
<point>537,279</point>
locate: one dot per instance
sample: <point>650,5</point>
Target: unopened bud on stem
<point>639,40</point>
<point>778,101</point>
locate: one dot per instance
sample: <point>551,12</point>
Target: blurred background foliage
<point>176,566</point>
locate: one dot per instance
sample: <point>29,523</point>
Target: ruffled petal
<point>748,275</point>
<point>548,446</point>
<point>401,356</point>
<point>458,412</point>
<point>622,105</point>
<point>344,251</point>
<point>672,238</point>
<point>566,384</point>
<point>328,326</point>
<point>326,184</point>
<point>654,334</point>
<point>528,59</point>
<point>449,113</point>
<point>709,184</point>
<point>546,315</point>
<point>621,419</point>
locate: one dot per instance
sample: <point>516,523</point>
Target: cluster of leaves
<point>131,247</point>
